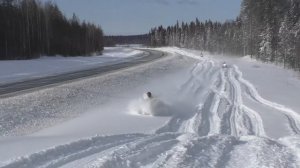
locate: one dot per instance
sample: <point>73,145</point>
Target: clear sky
<point>128,17</point>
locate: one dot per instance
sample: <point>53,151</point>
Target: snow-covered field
<point>244,114</point>
<point>11,71</point>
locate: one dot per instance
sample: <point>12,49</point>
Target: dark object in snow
<point>224,65</point>
<point>151,105</point>
<point>148,95</point>
<point>201,55</point>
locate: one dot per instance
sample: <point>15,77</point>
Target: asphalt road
<point>12,89</point>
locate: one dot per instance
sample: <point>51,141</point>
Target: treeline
<point>268,30</point>
<point>29,29</point>
<point>131,39</point>
<point>208,35</point>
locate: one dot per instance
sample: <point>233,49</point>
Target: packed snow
<point>206,111</point>
<point>12,71</point>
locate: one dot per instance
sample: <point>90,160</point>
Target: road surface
<point>11,89</point>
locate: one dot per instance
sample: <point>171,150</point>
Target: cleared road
<point>11,89</point>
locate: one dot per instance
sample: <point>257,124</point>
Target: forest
<point>268,30</point>
<point>30,29</point>
<point>143,39</point>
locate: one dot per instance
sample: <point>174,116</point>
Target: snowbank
<point>120,52</point>
<point>18,70</point>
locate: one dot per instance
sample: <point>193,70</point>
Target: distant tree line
<point>131,39</point>
<point>29,29</point>
<point>268,30</point>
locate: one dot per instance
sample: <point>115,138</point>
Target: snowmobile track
<point>216,133</point>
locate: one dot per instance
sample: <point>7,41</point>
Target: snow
<point>11,71</point>
<point>244,115</point>
<point>150,106</point>
<point>278,107</point>
<point>98,105</point>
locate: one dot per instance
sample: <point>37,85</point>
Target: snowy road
<point>11,89</point>
<point>219,120</point>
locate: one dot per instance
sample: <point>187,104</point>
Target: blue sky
<point>127,17</point>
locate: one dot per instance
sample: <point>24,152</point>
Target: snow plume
<point>154,107</point>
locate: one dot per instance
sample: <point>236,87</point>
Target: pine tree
<point>267,30</point>
<point>29,29</point>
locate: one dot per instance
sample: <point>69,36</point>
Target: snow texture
<point>236,116</point>
<point>46,66</point>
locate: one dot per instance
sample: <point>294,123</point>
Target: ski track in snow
<point>219,131</point>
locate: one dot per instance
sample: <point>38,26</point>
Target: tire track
<point>218,131</point>
<point>292,116</point>
<point>64,154</point>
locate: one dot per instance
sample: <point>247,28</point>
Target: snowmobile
<point>201,54</point>
<point>151,105</point>
<point>148,96</point>
<point>224,65</point>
